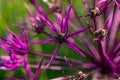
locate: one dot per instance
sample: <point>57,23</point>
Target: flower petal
<point>48,23</point>
<point>85,4</point>
<point>44,41</point>
<point>65,28</point>
<point>26,67</point>
<point>78,32</point>
<point>38,69</point>
<point>117,3</point>
<point>53,56</point>
<point>75,48</point>
<point>114,29</point>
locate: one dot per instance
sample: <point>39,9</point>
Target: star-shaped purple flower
<point>62,36</point>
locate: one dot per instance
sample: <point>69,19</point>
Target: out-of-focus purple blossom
<point>8,63</point>
<point>13,44</point>
<point>16,48</point>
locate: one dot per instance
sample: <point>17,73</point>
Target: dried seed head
<point>94,11</point>
<point>80,72</point>
<point>84,75</point>
<point>100,34</point>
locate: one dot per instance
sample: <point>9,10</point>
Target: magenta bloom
<point>103,50</point>
<point>62,36</point>
<point>13,44</point>
<point>8,63</point>
<point>17,48</point>
<point>97,44</point>
<point>104,56</point>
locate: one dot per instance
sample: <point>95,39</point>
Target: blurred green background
<point>11,12</point>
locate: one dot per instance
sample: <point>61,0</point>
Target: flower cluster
<point>99,40</point>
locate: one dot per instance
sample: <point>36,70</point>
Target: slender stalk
<point>51,67</point>
<point>26,67</point>
<point>56,58</point>
<point>38,69</point>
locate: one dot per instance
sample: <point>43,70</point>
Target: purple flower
<point>13,44</point>
<point>17,48</point>
<point>102,51</point>
<point>100,44</point>
<point>104,56</point>
<point>8,63</point>
<point>62,35</point>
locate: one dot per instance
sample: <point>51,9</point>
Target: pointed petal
<point>85,5</point>
<point>59,20</point>
<point>71,65</point>
<point>65,28</point>
<point>38,69</point>
<point>114,29</point>
<point>48,23</point>
<point>92,49</point>
<point>117,3</point>
<point>115,50</point>
<point>116,60</point>
<point>103,45</point>
<point>78,32</point>
<point>28,11</point>
<point>26,67</point>
<point>10,32</point>
<point>117,46</point>
<point>53,56</point>
<point>44,41</point>
<point>110,62</point>
<point>101,4</point>
<point>25,32</point>
<point>75,48</point>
